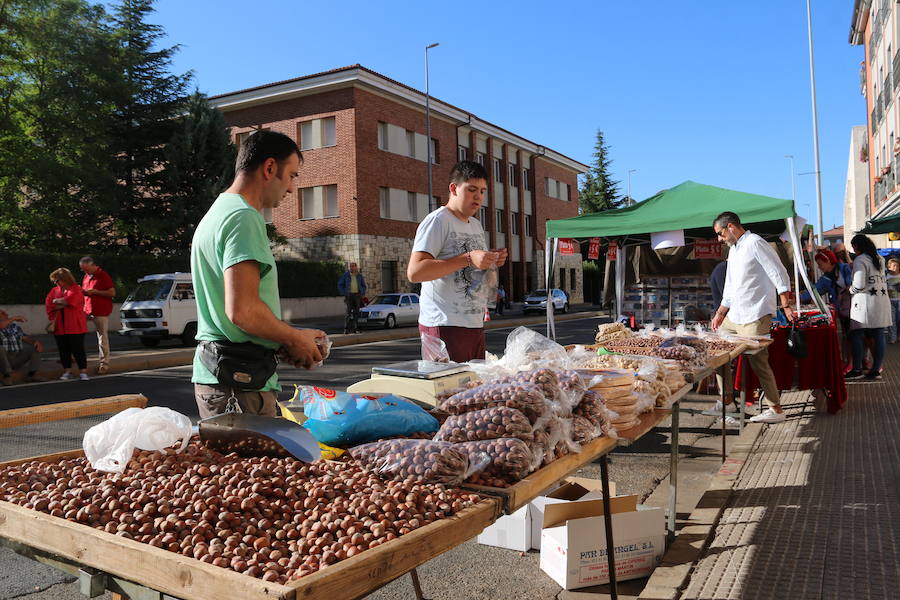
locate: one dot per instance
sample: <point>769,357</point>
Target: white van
<point>161,307</point>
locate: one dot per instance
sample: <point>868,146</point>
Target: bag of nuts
<point>419,460</point>
<point>526,398</point>
<point>510,461</point>
<point>486,424</point>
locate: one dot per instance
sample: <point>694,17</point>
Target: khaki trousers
<point>101,324</point>
<point>759,361</point>
<point>212,400</point>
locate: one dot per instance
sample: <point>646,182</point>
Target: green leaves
<point>599,191</point>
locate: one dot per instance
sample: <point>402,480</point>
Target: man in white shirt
<point>753,282</point>
<point>450,257</point>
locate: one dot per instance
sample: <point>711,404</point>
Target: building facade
<point>363,186</point>
<point>876,26</point>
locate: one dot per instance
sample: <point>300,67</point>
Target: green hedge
<point>25,277</point>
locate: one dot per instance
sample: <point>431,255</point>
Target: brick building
<point>363,185</point>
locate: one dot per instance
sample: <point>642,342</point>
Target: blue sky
<point>713,91</point>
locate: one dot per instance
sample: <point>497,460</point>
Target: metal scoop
<point>255,435</point>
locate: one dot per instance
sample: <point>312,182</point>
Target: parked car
<point>537,301</point>
<point>390,310</point>
<point>162,306</point>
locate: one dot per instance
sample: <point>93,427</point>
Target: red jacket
<point>70,319</point>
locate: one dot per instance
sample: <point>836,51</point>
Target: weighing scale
<point>420,380</point>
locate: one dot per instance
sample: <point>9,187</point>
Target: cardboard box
<point>522,530</point>
<point>573,541</point>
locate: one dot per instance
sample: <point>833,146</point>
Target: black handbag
<point>240,366</point>
<point>796,342</point>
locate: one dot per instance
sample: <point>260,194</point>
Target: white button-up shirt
<point>754,278</point>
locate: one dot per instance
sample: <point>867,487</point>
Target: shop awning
<point>885,225</point>
<point>689,206</point>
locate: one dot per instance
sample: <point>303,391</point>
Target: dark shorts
<point>463,343</point>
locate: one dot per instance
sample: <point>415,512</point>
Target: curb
<point>670,577</point>
<point>184,356</point>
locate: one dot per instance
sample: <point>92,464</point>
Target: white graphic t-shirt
<point>457,299</point>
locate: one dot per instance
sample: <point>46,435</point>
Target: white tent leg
<point>550,254</point>
<point>798,260</point>
<point>621,257</point>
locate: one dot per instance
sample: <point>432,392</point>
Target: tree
<point>199,163</point>
<point>599,191</point>
<point>149,103</point>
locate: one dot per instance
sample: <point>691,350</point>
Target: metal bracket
<point>91,582</point>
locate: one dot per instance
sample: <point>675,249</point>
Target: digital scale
<point>420,380</point>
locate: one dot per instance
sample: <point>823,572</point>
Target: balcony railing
<point>896,70</point>
<point>888,90</point>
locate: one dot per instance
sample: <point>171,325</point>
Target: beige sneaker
<point>102,369</point>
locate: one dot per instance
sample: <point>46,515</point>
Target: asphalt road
<point>499,573</point>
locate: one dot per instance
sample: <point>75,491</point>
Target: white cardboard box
<point>573,541</point>
<point>522,530</point>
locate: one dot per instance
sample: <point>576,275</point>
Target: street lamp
<point>630,199</point>
<point>428,120</point>
<point>815,123</point>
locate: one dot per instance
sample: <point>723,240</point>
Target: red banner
<point>707,249</point>
<point>566,246</point>
<point>594,249</point>
<point>612,251</point>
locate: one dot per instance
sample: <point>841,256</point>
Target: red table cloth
<point>822,367</point>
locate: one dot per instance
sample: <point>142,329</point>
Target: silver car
<point>390,310</point>
<point>537,301</point>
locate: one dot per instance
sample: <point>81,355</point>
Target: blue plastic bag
<point>342,419</point>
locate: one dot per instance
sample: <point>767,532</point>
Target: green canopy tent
<point>885,225</point>
<point>690,207</point>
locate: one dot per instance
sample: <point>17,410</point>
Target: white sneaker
<point>66,376</point>
<point>768,416</point>
<point>729,422</point>
<point>84,377</point>
<point>716,411</point>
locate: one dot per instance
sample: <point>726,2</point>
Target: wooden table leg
<point>417,587</point>
<point>607,521</point>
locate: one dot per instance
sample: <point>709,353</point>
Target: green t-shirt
<point>232,231</point>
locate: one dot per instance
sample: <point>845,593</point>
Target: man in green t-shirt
<point>234,273</point>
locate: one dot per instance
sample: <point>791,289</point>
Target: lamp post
<point>793,187</point>
<point>428,120</point>
<point>812,81</point>
<point>630,199</point>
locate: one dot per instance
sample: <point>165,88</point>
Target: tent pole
<point>550,250</point>
<point>798,258</point>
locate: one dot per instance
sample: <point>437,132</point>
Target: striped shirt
<point>11,338</point>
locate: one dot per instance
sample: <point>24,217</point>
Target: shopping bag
<point>109,445</point>
<point>796,342</point>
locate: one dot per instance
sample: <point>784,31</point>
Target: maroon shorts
<point>463,343</point>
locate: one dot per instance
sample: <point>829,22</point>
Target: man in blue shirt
<point>352,286</point>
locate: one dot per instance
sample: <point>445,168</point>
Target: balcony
<point>896,69</point>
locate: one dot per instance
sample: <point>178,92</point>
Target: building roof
<point>858,21</point>
<point>835,232</point>
<point>359,75</point>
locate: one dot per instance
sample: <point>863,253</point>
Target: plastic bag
<point>486,424</point>
<point>523,397</point>
<point>342,419</point>
<point>109,445</point>
<point>434,349</point>
<point>510,461</point>
<point>419,460</point>
<point>583,431</point>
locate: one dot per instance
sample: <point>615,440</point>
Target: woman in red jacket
<point>65,309</point>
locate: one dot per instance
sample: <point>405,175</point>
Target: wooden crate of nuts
<point>191,563</point>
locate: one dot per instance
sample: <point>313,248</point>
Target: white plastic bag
<point>109,445</point>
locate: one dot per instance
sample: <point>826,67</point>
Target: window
<point>405,301</point>
<point>401,205</point>
<point>498,170</point>
<point>482,216</point>
<point>398,140</point>
<point>501,224</point>
<point>317,133</point>
<point>526,179</point>
<point>435,152</point>
<point>572,279</point>
<point>513,175</point>
<point>562,279</point>
<point>462,153</point>
<point>415,299</point>
<point>529,225</point>
<point>556,189</point>
<point>318,202</point>
<point>388,276</point>
<point>515,223</point>
<point>183,291</point>
<point>239,138</point>
<point>479,158</point>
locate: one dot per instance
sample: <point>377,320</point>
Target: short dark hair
<point>263,145</point>
<point>725,218</point>
<point>466,170</point>
<point>87,259</point>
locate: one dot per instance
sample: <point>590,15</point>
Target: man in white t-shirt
<point>450,258</point>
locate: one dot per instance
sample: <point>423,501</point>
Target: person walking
<point>65,309</point>
<point>893,283</point>
<point>870,311</point>
<point>501,299</point>
<point>236,279</point>
<point>99,292</point>
<point>352,286</point>
<point>754,280</point>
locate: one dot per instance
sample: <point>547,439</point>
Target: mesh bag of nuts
<point>419,460</point>
<point>486,424</point>
<point>546,379</point>
<point>510,460</point>
<point>524,397</point>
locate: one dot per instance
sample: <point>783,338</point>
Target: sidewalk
<point>127,354</point>
<point>814,512</point>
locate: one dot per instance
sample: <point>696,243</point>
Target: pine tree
<point>150,101</point>
<point>599,191</point>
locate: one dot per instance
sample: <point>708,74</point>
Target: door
<point>405,310</point>
<point>182,307</point>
